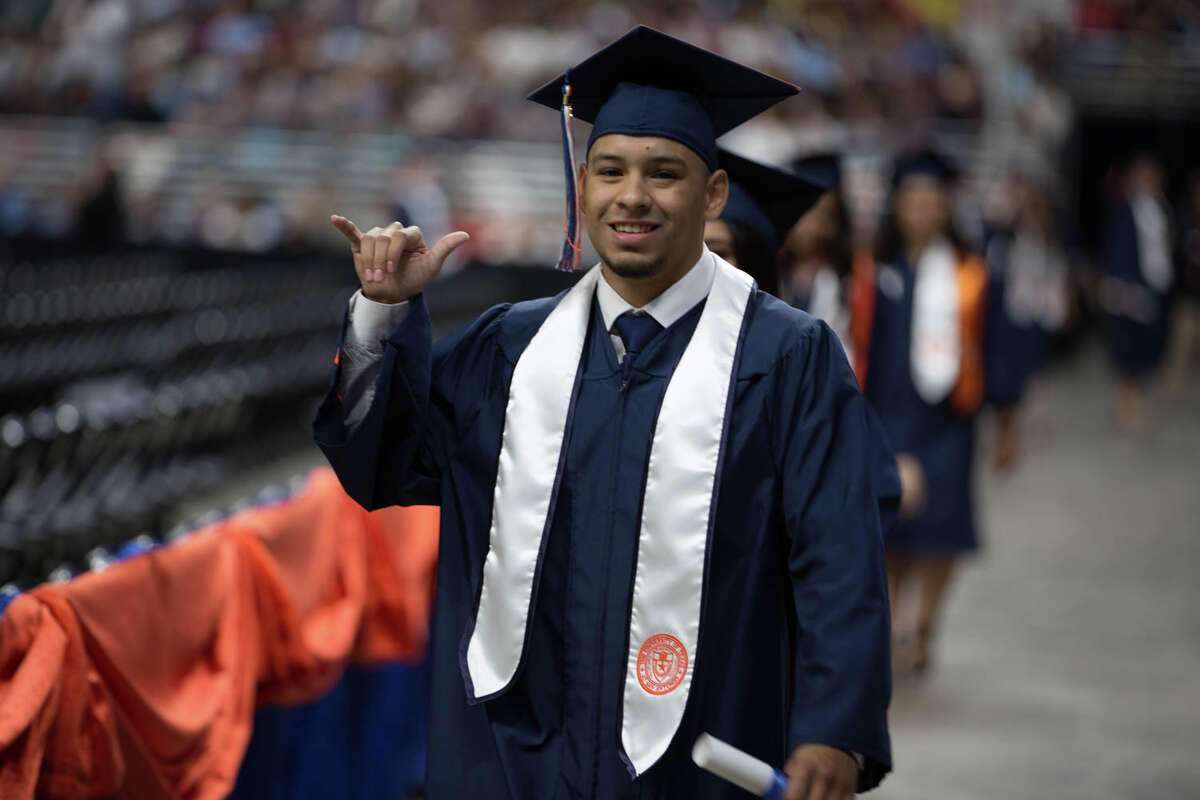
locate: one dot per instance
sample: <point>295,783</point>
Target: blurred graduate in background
<point>764,203</point>
<point>930,349</point>
<point>766,207</point>
<point>1025,252</point>
<point>1135,291</point>
<point>815,262</point>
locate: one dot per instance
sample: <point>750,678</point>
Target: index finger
<point>347,229</point>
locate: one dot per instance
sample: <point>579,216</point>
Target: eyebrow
<point>674,161</point>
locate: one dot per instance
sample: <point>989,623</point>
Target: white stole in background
<point>1154,242</point>
<point>935,351</point>
<point>826,303</point>
<point>678,501</point>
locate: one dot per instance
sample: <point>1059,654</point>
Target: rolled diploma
<point>741,769</point>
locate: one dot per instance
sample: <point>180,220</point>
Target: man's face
<point>645,200</point>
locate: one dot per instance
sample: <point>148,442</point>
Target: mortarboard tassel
<point>569,260</point>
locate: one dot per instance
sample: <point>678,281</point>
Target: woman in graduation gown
<point>929,351</point>
<point>816,257</point>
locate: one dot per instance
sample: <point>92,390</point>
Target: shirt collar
<point>679,298</point>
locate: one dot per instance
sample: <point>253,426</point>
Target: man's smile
<point>633,232</point>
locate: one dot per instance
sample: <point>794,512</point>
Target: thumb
<point>447,245</point>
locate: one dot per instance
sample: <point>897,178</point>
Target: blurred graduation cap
<point>766,200</point>
<point>927,162</point>
<point>650,84</point>
<point>823,169</point>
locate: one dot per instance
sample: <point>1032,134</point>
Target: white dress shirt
<point>679,298</point>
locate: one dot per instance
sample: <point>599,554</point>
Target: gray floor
<point>1069,661</point>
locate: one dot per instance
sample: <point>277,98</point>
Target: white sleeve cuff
<point>371,321</point>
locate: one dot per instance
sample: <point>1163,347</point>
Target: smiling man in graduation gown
<point>657,513</point>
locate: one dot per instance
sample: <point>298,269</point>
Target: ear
<point>582,190</point>
<point>716,193</point>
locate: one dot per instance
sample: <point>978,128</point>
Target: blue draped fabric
<point>364,740</point>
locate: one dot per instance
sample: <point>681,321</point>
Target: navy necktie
<point>636,331</point>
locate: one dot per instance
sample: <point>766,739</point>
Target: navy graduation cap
<point>925,162</point>
<point>650,84</point>
<point>766,200</point>
<point>823,169</point>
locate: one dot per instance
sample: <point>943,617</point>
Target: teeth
<point>633,228</point>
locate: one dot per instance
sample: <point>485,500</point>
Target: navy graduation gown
<point>794,639</point>
<point>940,438</point>
<point>1136,346</point>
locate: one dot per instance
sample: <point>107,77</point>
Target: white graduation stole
<point>935,352</point>
<point>678,501</point>
<point>827,304</point>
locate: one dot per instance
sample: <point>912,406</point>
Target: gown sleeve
<point>394,453</point>
<point>828,459</point>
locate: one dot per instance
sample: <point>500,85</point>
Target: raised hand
<point>393,263</point>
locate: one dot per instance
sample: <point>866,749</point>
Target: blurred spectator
<point>99,215</point>
<point>16,204</point>
<point>1100,15</point>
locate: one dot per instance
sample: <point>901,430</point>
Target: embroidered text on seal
<point>661,664</point>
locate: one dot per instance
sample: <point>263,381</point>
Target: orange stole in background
<point>967,395</point>
<point>141,681</point>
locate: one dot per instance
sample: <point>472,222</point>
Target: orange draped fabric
<point>141,681</point>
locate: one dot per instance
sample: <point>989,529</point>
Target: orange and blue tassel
<point>572,246</point>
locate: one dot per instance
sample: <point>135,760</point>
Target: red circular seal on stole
<point>662,662</point>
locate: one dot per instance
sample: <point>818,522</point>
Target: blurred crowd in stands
<point>460,67</point>
<point>877,74</point>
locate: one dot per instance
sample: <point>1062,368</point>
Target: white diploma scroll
<point>741,769</point>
